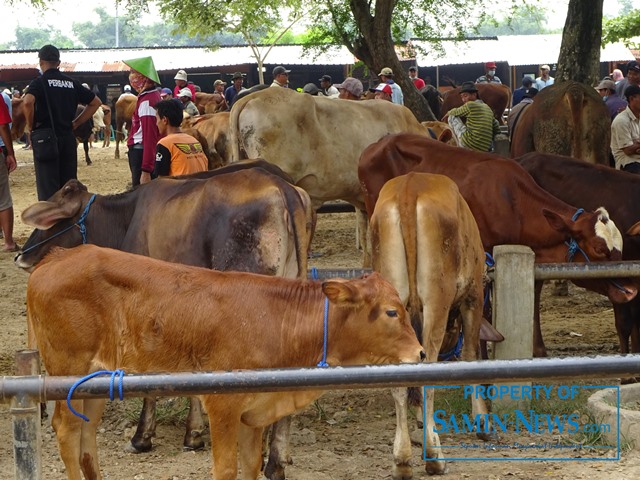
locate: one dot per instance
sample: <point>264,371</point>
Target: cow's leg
<point>195,426</point>
<point>141,440</point>
<point>362,237</point>
<point>539,349</point>
<point>93,410</point>
<point>224,423</point>
<point>623,320</point>
<point>279,456</point>
<point>85,143</point>
<point>250,451</point>
<point>402,444</point>
<point>68,430</point>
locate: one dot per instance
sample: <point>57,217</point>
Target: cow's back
<point>316,140</point>
<point>497,96</point>
<point>567,118</point>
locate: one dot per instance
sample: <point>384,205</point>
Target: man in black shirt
<point>62,94</point>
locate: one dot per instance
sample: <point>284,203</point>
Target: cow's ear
<point>342,293</point>
<point>634,229</point>
<point>556,221</point>
<point>43,215</point>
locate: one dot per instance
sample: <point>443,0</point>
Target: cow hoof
<point>436,467</point>
<point>402,472</point>
<point>274,472</point>
<point>627,381</point>
<point>193,445</point>
<point>138,446</point>
<point>89,162</point>
<point>488,436</point>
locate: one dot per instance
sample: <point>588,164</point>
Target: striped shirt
<point>481,125</point>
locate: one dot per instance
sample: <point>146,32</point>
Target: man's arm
<point>87,113</point>
<point>163,161</point>
<point>462,111</point>
<point>28,102</point>
<point>10,159</point>
<point>633,149</point>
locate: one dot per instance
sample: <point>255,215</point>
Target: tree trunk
<point>375,48</point>
<point>579,58</point>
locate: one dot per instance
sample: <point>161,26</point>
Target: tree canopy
<point>622,28</point>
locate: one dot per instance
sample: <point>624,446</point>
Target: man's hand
<point>145,177</point>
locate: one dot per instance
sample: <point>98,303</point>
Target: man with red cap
<point>490,74</point>
<point>144,134</point>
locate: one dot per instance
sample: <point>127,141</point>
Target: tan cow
<point>210,102</point>
<point>93,308</point>
<point>567,118</point>
<point>426,242</point>
<point>212,131</point>
<point>125,106</point>
<point>316,140</point>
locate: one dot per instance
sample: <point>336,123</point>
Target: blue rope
<point>79,223</point>
<point>572,245</point>
<point>118,373</point>
<point>455,352</point>
<point>323,363</point>
<point>490,262</point>
<point>579,212</point>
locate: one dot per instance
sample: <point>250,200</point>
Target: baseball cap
<point>280,70</point>
<point>490,65</point>
<point>219,82</point>
<point>631,91</point>
<point>633,65</point>
<point>468,87</point>
<point>127,88</point>
<point>86,85</point>
<point>311,89</point>
<point>325,78</point>
<point>527,82</point>
<point>49,53</point>
<point>351,85</point>
<point>185,92</point>
<point>383,87</point>
<point>165,91</point>
<point>606,84</point>
<point>413,68</point>
<point>386,71</point>
<point>544,67</point>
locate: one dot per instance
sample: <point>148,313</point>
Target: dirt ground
<point>346,434</point>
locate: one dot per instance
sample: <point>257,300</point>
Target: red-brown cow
<point>425,241</point>
<point>125,106</point>
<point>181,318</point>
<point>508,205</point>
<point>497,96</point>
<point>18,120</point>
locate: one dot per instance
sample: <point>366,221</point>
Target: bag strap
<point>46,97</point>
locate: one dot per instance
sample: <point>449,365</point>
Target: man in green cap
<point>144,134</point>
<point>50,112</point>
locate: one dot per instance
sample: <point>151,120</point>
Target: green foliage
<point>622,28</point>
<point>34,38</point>
<point>521,20</point>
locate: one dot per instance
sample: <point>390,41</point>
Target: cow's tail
<point>234,129</point>
<point>300,213</point>
<point>574,96</point>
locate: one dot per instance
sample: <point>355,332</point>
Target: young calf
<point>426,242</point>
<point>93,308</point>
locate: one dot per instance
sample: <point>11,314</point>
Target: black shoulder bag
<point>44,141</point>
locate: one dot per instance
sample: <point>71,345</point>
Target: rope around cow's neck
<point>323,363</point>
<point>80,224</point>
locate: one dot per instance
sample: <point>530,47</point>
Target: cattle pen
<point>514,276</point>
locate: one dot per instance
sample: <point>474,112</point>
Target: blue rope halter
<point>572,245</point>
<point>323,363</point>
<point>80,224</point>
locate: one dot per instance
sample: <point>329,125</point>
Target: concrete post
<point>513,306</point>
<point>25,412</point>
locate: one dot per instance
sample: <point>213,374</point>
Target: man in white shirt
<point>625,133</point>
<point>386,76</point>
<point>327,87</point>
<point>544,80</point>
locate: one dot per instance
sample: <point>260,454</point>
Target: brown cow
<point>508,205</point>
<point>211,130</point>
<point>210,102</point>
<point>18,120</point>
<point>125,106</point>
<point>426,242</point>
<point>496,95</point>
<point>181,318</point>
<point>567,118</point>
<point>247,220</point>
<point>83,133</point>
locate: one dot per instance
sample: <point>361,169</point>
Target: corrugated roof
<point>110,60</point>
<point>512,49</point>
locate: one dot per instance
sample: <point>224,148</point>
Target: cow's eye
<point>392,313</point>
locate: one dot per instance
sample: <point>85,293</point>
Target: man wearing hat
<point>383,92</point>
<point>327,87</point>
<point>350,89</point>
<point>544,80</point>
<point>633,78</point>
<point>50,111</point>
<point>625,133</point>
<point>234,89</point>
<point>489,74</point>
<point>280,77</point>
<point>615,104</point>
<point>181,82</point>
<point>185,97</point>
<point>7,165</point>
<point>479,126</point>
<point>218,86</point>
<point>413,75</point>
<point>144,134</point>
<point>386,76</point>
<point>516,110</point>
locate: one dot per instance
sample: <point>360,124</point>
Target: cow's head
<point>370,323</point>
<point>594,237</point>
<point>50,218</point>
